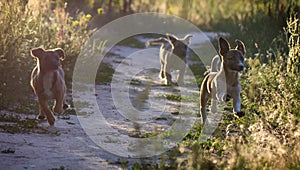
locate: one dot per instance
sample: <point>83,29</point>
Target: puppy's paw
<point>41,117</point>
<point>228,97</point>
<point>161,76</point>
<point>240,113</point>
<point>51,121</point>
<point>168,83</point>
<point>147,44</point>
<point>65,106</point>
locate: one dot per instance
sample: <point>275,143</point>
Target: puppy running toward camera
<point>173,54</point>
<point>47,81</point>
<point>224,81</point>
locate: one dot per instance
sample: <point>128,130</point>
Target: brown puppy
<point>47,81</point>
<point>173,53</point>
<point>224,81</point>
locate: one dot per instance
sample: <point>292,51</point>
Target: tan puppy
<point>47,81</point>
<point>173,53</point>
<point>224,81</point>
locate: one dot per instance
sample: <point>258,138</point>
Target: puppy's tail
<point>156,41</point>
<point>215,64</point>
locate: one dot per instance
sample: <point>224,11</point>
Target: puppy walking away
<point>224,81</point>
<point>173,53</point>
<point>47,81</point>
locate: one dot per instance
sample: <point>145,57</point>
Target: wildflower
<point>75,23</point>
<point>88,16</point>
<point>100,11</point>
<point>170,10</point>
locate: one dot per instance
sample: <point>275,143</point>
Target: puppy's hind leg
<point>46,110</point>
<point>162,72</point>
<point>203,103</point>
<point>181,76</point>
<point>41,115</point>
<point>203,99</point>
<point>58,105</point>
<point>168,76</point>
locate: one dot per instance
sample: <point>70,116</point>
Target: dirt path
<point>69,148</point>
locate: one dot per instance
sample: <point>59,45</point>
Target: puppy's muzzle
<point>240,68</point>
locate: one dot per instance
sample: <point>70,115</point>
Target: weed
<point>15,124</point>
<point>9,150</point>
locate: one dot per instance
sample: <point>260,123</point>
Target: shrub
<point>268,136</point>
<point>272,95</point>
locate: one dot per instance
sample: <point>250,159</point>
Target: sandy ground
<point>71,149</point>
<point>92,140</point>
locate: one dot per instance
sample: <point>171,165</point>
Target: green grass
<point>15,124</point>
<point>7,151</point>
<point>179,97</point>
<point>132,42</point>
<point>104,73</point>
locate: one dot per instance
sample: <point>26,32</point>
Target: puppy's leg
<point>162,73</point>
<point>58,105</point>
<point>237,102</point>
<point>214,100</point>
<point>168,76</point>
<point>220,87</point>
<point>46,110</point>
<point>203,103</point>
<point>181,76</point>
<point>214,105</point>
<point>167,70</point>
<point>203,99</point>
<point>60,101</point>
<point>41,115</point>
<point>65,105</point>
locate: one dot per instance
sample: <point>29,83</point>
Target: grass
<point>7,151</point>
<point>132,42</point>
<point>104,73</point>
<point>179,97</point>
<point>15,124</point>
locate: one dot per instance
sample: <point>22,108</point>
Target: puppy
<point>173,53</point>
<point>224,81</point>
<point>47,81</point>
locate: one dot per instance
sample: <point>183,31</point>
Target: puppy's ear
<point>224,46</point>
<point>37,52</point>
<point>61,53</point>
<point>240,46</point>
<point>186,39</point>
<point>172,38</point>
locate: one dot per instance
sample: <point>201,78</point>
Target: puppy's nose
<point>241,67</point>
